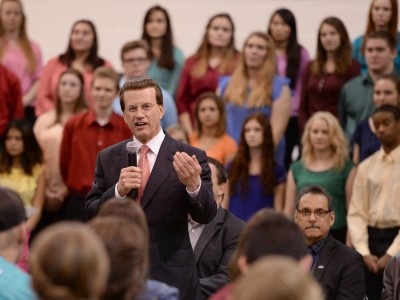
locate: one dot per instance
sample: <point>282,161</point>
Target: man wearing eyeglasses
<point>136,62</point>
<point>338,268</point>
<point>172,180</point>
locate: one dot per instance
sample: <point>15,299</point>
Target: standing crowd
<point>260,172</point>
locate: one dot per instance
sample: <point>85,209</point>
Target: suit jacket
<point>166,204</point>
<point>340,271</point>
<point>214,249</point>
<point>391,279</point>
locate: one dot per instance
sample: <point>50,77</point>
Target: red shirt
<point>322,94</point>
<point>82,139</point>
<point>190,87</point>
<point>11,106</point>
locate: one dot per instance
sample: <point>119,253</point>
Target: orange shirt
<point>223,151</point>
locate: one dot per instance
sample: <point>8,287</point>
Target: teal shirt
<point>333,181</point>
<point>14,284</point>
<point>166,78</point>
<point>356,103</point>
<point>358,55</point>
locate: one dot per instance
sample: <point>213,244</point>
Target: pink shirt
<point>14,59</point>
<point>49,136</point>
<point>47,94</point>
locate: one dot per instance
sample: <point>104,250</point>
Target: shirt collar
<point>393,156</point>
<point>316,247</point>
<point>155,143</point>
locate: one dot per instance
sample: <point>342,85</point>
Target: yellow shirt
<point>375,200</point>
<point>24,185</point>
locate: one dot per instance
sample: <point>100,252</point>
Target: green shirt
<point>333,181</point>
<point>355,104</point>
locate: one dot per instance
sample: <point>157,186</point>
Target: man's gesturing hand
<point>188,170</point>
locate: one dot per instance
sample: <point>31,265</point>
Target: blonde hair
<point>68,261</point>
<point>336,137</point>
<point>261,94</point>
<point>277,278</point>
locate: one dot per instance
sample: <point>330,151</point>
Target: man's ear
<point>221,189</point>
<point>332,217</point>
<point>243,264</point>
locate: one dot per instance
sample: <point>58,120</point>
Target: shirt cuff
<point>194,194</point>
<point>117,195</point>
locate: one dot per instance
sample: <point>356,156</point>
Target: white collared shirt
<point>154,144</point>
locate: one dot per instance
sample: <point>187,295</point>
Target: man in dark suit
<point>338,268</point>
<point>173,180</point>
<point>213,244</point>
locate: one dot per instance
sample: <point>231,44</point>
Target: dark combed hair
<point>140,84</point>
<point>239,171</point>
<point>166,59</point>
<point>384,35</point>
<point>32,153</point>
<point>293,49</point>
<point>221,174</point>
<point>282,236</point>
<point>395,111</point>
<point>93,59</point>
<point>314,190</point>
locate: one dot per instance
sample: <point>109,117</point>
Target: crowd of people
<point>239,154</point>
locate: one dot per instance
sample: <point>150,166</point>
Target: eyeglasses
<point>134,60</point>
<point>145,107</point>
<point>319,214</point>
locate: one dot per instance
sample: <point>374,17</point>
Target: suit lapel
<point>162,168</point>
<point>208,232</point>
<point>325,255</point>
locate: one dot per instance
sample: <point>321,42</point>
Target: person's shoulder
<point>234,222</point>
<point>354,82</point>
<point>364,165</point>
<point>358,41</point>
<point>178,53</point>
<point>344,251</point>
<point>76,120</point>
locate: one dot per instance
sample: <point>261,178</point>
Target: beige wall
<point>118,21</point>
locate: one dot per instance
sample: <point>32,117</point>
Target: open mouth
<point>140,124</point>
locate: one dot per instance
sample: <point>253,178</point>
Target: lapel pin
<point>320,267</point>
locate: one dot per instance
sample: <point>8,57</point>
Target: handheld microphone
<point>132,148</point>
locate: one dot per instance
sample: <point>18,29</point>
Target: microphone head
<point>131,147</point>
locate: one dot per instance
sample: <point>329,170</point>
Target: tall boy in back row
<point>374,212</point>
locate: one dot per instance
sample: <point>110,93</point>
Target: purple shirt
<point>281,63</point>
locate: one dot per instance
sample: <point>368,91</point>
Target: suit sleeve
<point>204,208</point>
<point>209,285</point>
<point>389,276</point>
<point>99,192</point>
<point>352,280</point>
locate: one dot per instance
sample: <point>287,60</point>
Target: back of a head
<point>280,236</point>
<point>268,232</point>
<point>68,261</point>
<point>127,248</point>
<point>277,278</point>
<point>127,209</point>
